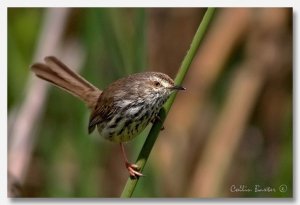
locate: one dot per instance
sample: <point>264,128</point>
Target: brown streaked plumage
<point>122,110</point>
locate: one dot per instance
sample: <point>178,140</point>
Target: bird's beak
<point>177,87</point>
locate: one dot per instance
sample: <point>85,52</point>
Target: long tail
<point>57,73</point>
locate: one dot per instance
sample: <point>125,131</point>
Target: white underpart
<point>120,124</point>
<point>106,130</point>
<point>134,110</point>
<point>124,103</point>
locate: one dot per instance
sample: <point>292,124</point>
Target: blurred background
<point>229,135</point>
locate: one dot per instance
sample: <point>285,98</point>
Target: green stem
<point>147,147</point>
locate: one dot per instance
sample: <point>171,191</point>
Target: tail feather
<point>57,73</point>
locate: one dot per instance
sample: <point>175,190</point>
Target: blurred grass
<point>115,41</point>
<point>23,27</point>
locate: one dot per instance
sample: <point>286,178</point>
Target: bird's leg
<point>133,169</point>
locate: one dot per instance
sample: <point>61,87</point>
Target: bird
<point>122,110</point>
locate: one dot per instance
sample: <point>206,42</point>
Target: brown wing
<point>104,112</point>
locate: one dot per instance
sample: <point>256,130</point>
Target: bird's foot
<point>133,170</point>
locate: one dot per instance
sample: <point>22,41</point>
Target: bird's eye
<point>156,83</point>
